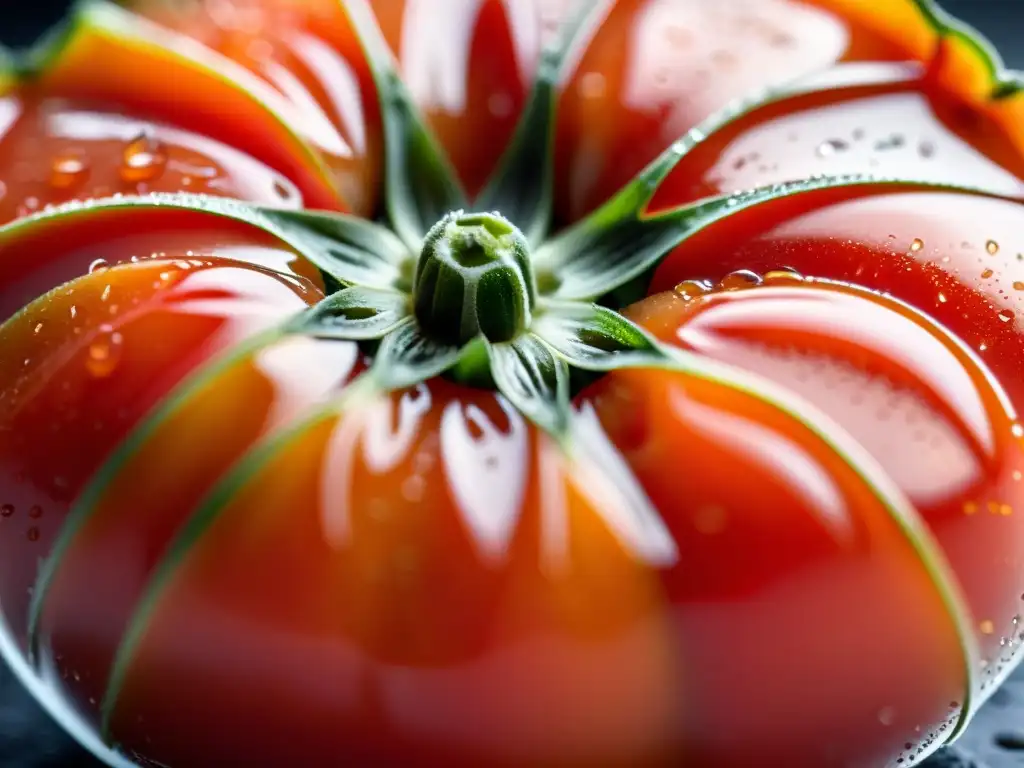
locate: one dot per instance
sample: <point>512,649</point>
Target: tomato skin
<point>926,409</point>
<point>952,256</point>
<point>89,360</point>
<point>424,577</point>
<point>766,547</point>
<point>57,152</point>
<point>656,69</point>
<point>889,122</point>
<point>307,52</point>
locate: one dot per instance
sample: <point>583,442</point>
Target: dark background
<point>28,739</point>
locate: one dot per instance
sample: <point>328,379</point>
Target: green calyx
<point>474,277</point>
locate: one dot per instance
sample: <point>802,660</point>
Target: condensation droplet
<point>35,512</point>
<point>6,510</point>
<point>992,247</point>
<point>33,534</point>
<point>887,715</point>
<point>104,353</point>
<point>784,275</point>
<point>282,190</point>
<point>691,289</point>
<point>738,280</point>
<point>143,160</point>
<point>830,147</point>
<point>916,245</point>
<point>592,85</point>
<point>987,274</point>
<point>68,171</point>
<point>98,265</point>
<point>38,328</point>
<point>1006,315</point>
<point>942,298</point>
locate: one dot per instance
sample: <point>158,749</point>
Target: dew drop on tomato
<point>68,171</point>
<point>738,280</point>
<point>144,160</point>
<point>104,353</point>
<point>692,289</point>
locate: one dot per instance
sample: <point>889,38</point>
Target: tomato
<point>479,382</point>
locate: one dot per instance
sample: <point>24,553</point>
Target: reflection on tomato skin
<point>927,410</point>
<point>951,256</point>
<point>363,579</point>
<point>54,152</point>
<point>89,361</point>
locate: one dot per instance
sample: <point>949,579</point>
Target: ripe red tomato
<point>695,441</point>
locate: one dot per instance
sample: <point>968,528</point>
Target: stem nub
<point>474,277</point>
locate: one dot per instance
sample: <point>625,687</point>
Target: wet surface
<point>29,739</point>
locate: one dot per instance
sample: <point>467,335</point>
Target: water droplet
<point>830,147</point>
<point>916,245</point>
<point>987,627</point>
<point>35,512</point>
<point>38,328</point>
<point>73,311</point>
<point>104,353</point>
<point>942,298</point>
<point>738,280</point>
<point>1006,315</point>
<point>1017,430</point>
<point>6,510</point>
<point>970,508</point>
<point>33,534</point>
<point>784,275</point>
<point>678,37</point>
<point>691,289</point>
<point>887,715</point>
<point>98,265</point>
<point>68,171</point>
<point>926,149</point>
<point>992,247</point>
<point>282,190</point>
<point>592,85</point>
<point>143,160</point>
<point>895,141</point>
<point>413,488</point>
<point>987,274</point>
